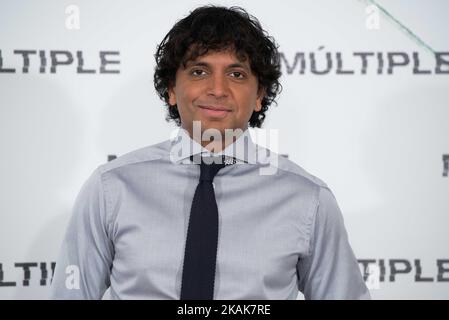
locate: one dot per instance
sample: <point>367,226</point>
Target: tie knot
<point>210,166</point>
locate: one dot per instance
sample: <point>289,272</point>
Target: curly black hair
<point>218,28</point>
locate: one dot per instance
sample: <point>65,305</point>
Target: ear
<point>260,96</point>
<point>171,96</point>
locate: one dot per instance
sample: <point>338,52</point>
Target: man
<point>202,216</point>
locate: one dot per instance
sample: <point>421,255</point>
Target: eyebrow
<point>205,64</point>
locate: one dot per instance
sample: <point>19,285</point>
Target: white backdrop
<point>376,136</point>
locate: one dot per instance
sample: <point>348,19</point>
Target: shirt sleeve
<point>330,270</point>
<point>85,259</point>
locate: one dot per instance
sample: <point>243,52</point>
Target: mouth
<point>215,111</point>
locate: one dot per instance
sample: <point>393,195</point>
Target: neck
<point>217,144</point>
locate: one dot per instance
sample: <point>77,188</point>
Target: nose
<point>218,86</point>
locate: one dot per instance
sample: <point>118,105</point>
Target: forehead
<point>227,56</point>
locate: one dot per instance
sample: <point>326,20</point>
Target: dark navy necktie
<point>198,274</point>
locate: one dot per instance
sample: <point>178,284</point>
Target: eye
<point>197,72</point>
<point>237,74</point>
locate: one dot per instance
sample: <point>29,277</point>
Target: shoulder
<point>308,186</point>
<point>147,154</point>
<point>288,167</point>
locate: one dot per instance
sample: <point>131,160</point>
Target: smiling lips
<point>215,111</point>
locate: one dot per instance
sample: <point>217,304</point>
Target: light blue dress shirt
<point>280,228</point>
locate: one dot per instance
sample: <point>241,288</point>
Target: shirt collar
<point>182,147</point>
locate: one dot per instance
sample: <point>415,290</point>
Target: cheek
<point>186,95</point>
<point>247,101</point>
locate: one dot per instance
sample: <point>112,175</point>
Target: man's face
<point>217,89</point>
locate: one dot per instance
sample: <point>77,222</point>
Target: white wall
<point>376,139</point>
